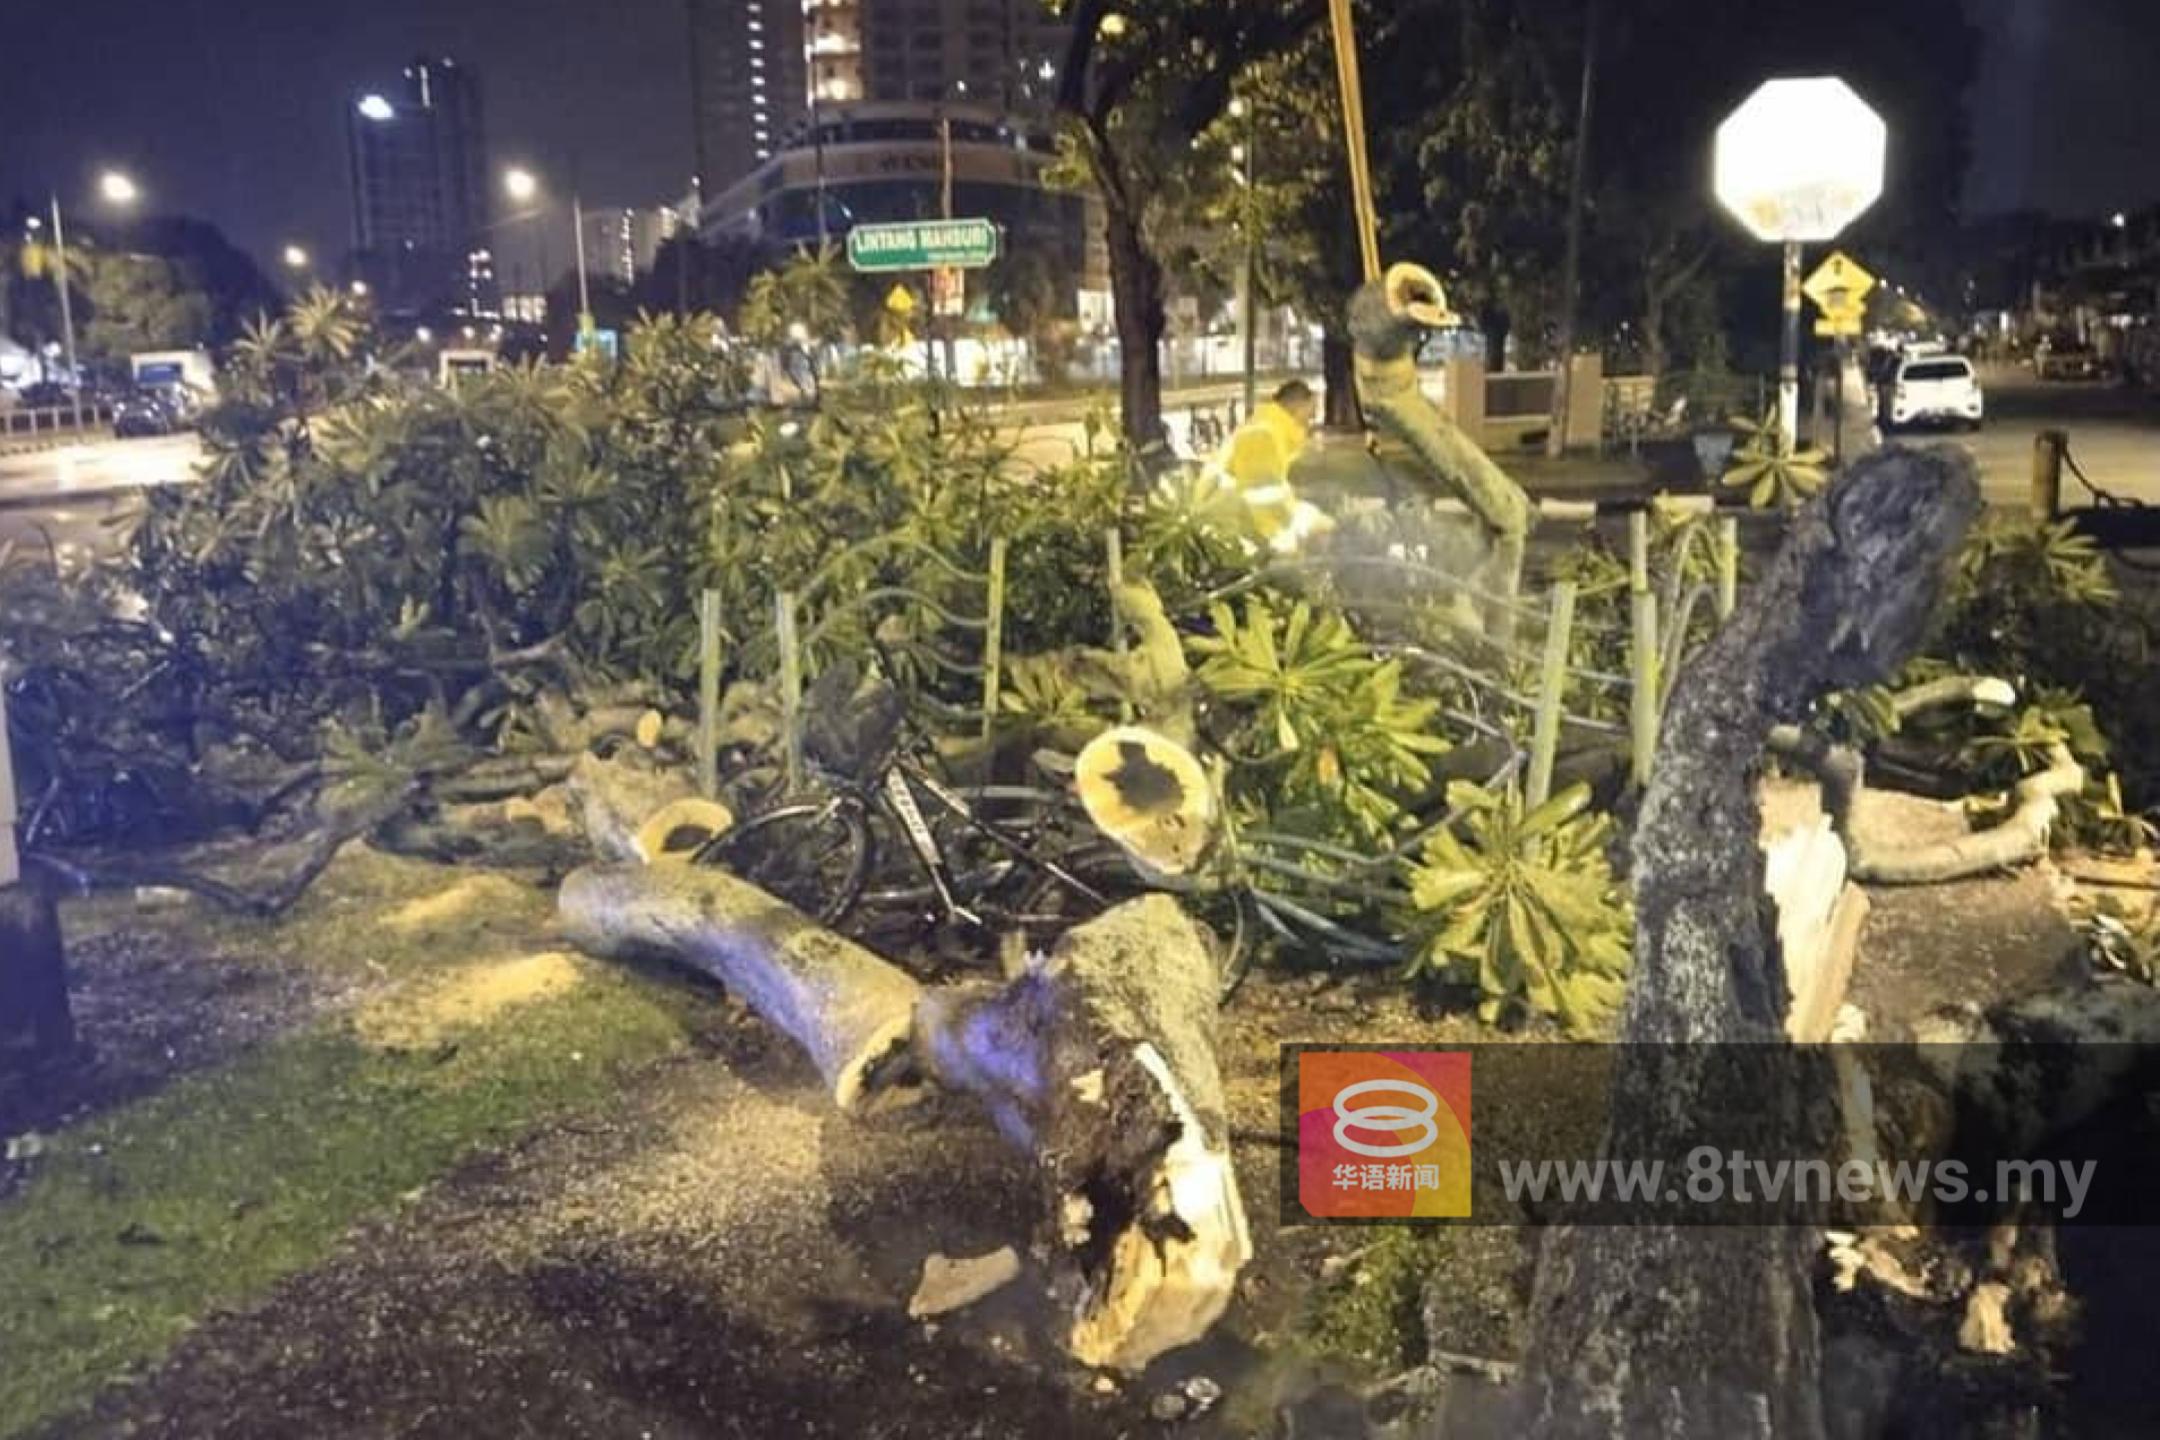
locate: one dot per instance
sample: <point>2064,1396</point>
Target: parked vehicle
<point>144,412</point>
<point>188,377</point>
<point>2061,358</point>
<point>1931,388</point>
<point>43,395</point>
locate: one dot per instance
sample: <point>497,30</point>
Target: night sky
<point>233,110</point>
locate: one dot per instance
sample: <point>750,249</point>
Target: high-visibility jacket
<point>1257,461</point>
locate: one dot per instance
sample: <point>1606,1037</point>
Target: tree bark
<point>1683,1332</point>
<point>1136,285</point>
<point>36,1024</point>
<point>1653,324</point>
<point>1338,380</point>
<point>850,1011</point>
<point>1099,1062</point>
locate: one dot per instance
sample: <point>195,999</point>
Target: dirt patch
<point>476,995</point>
<point>165,985</point>
<point>152,1006</point>
<point>724,1257</point>
<point>458,902</point>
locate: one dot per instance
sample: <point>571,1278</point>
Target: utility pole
<point>67,313</point>
<point>584,294</point>
<point>1571,276</point>
<point>940,324</point>
<point>817,155</point>
<point>1242,111</point>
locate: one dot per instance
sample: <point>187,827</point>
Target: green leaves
<point>1522,905</point>
<point>1322,721</point>
<point>1771,471</point>
<point>1297,668</point>
<point>2038,562</point>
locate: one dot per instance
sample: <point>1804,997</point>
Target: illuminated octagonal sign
<point>1800,159</point>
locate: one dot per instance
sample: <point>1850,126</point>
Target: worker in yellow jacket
<point>1257,462</point>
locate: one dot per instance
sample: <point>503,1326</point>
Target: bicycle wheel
<point>814,855</point>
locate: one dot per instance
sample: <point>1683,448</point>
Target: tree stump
<point>37,1026</point>
<point>1683,1332</point>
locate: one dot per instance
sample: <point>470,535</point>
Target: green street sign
<point>923,245</point>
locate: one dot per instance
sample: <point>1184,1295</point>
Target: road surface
<point>2114,437</point>
<point>64,495</point>
<point>96,467</point>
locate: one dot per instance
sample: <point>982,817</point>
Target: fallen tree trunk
<point>2018,839</point>
<point>1098,1061</point>
<point>1657,1328</point>
<point>852,1012</point>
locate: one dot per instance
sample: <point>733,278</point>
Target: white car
<point>1933,387</point>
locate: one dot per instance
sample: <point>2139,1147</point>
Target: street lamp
<point>522,186</point>
<point>117,189</point>
<point>296,258</point>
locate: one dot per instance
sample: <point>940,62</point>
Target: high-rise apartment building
<point>746,83</point>
<point>621,240</point>
<point>418,159</point>
<point>759,66</point>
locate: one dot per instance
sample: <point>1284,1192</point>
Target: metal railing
<point>35,420</point>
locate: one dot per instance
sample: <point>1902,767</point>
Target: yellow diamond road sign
<point>1839,286</point>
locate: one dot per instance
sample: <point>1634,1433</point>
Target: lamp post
<point>523,187</point>
<point>119,190</point>
<point>1242,154</point>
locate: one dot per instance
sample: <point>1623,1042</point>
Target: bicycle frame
<point>897,796</point>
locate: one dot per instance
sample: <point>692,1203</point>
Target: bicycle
<point>1211,428</point>
<point>821,854</point>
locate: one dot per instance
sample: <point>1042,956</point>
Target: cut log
<point>1819,913</point>
<point>1099,1061</point>
<point>852,1012</point>
<point>1706,1332</point>
<point>613,798</point>
<point>2018,839</point>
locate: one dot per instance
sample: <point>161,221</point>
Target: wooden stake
<point>10,862</point>
<point>1552,680</point>
<point>791,685</point>
<point>1643,648</point>
<point>993,637</point>
<point>1728,565</point>
<point>1114,563</point>
<point>708,724</point>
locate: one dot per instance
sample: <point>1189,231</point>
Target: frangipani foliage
<point>1316,718</point>
<point>1771,471</point>
<point>1522,905</point>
